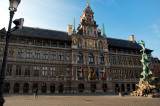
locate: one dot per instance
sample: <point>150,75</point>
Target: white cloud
<point>155,28</point>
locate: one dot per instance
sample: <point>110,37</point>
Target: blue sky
<point>122,18</point>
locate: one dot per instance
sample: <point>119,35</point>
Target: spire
<point>74,25</point>
<point>104,34</point>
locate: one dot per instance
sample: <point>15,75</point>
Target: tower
<point>88,26</point>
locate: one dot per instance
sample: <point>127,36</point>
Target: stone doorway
<point>26,88</point>
<point>81,87</point>
<point>6,87</point>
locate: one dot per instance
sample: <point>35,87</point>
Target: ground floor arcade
<point>68,87</point>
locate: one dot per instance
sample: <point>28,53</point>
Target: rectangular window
<point>44,71</point>
<point>67,56</point>
<point>38,43</point>
<point>54,44</point>
<point>45,43</point>
<point>20,52</point>
<point>60,55</point>
<point>36,71</point>
<point>45,54</point>
<point>29,53</point>
<point>27,71</point>
<point>54,55</point>
<point>9,70</point>
<point>29,42</point>
<point>37,54</point>
<point>18,69</point>
<point>68,74</point>
<point>52,72</point>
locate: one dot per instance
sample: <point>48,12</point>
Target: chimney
<point>69,29</point>
<point>132,38</point>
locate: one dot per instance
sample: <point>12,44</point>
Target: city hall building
<point>85,61</point>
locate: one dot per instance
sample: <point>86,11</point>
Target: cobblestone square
<point>78,100</point>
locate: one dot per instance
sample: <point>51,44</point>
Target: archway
<point>35,86</point>
<point>93,87</point>
<point>117,89</point>
<point>122,88</point>
<point>133,87</point>
<point>128,87</point>
<point>6,87</point>
<point>81,87</point>
<point>104,87</point>
<point>44,88</point>
<point>26,88</point>
<point>61,88</point>
<point>16,87</point>
<point>52,88</point>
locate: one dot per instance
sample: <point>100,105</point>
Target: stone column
<point>85,74</point>
<point>39,87</point>
<point>30,87</point>
<point>48,87</point>
<point>57,69</point>
<point>11,90</point>
<point>23,71</point>
<point>56,88</point>
<point>72,73</point>
<point>21,87</point>
<point>13,71</point>
<point>76,74</point>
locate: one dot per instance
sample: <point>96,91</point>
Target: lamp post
<point>13,8</point>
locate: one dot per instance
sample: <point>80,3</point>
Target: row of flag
<point>95,73</point>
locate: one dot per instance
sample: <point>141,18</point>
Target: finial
<point>104,33</point>
<point>74,24</point>
<point>88,3</point>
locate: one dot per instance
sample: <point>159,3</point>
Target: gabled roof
<point>30,32</point>
<point>42,33</point>
<point>112,42</point>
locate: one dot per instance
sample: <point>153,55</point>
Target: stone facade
<point>156,67</point>
<point>58,62</point>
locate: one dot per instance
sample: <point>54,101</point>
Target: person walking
<point>35,93</point>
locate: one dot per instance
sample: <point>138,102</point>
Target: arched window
<point>91,60</point>
<point>91,31</point>
<point>79,57</point>
<point>101,59</point>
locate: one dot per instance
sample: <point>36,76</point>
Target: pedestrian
<point>35,93</point>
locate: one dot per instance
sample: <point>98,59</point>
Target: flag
<point>94,73</point>
<point>97,74</point>
<point>81,73</point>
<point>89,72</point>
<point>104,73</point>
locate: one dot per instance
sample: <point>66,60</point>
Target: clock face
<point>90,43</point>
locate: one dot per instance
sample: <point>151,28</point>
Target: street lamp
<point>13,8</point>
